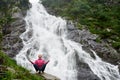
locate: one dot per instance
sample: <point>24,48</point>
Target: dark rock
<point>1,61</point>
<point>88,40</point>
<point>12,29</point>
<point>3,68</point>
<point>12,43</point>
<point>84,74</point>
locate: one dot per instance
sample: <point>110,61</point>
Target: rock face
<point>84,74</point>
<point>12,43</point>
<point>89,41</point>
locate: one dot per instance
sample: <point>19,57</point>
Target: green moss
<point>98,39</point>
<point>116,44</point>
<point>79,26</point>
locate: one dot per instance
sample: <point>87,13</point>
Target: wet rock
<point>49,76</point>
<point>89,41</point>
<point>12,43</point>
<point>84,74</point>
<point>11,30</point>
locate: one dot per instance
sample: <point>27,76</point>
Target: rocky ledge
<point>48,76</point>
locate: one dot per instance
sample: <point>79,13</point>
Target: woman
<point>39,64</point>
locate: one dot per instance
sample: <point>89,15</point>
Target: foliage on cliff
<point>101,16</point>
<point>8,7</point>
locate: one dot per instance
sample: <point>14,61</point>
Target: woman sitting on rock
<point>39,64</point>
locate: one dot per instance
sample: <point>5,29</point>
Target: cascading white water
<point>46,34</point>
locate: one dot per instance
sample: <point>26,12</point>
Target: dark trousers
<point>39,69</point>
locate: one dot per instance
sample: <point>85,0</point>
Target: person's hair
<point>40,56</point>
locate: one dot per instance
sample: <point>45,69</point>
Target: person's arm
<point>47,62</point>
<point>30,61</point>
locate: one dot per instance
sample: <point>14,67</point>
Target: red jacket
<point>40,62</point>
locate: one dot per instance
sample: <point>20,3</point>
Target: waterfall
<point>47,34</point>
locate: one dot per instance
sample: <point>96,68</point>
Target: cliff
<point>12,24</point>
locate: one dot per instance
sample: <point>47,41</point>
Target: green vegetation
<point>102,17</point>
<point>15,71</point>
<point>8,7</point>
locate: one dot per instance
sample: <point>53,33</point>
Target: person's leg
<point>36,67</point>
<point>42,68</point>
